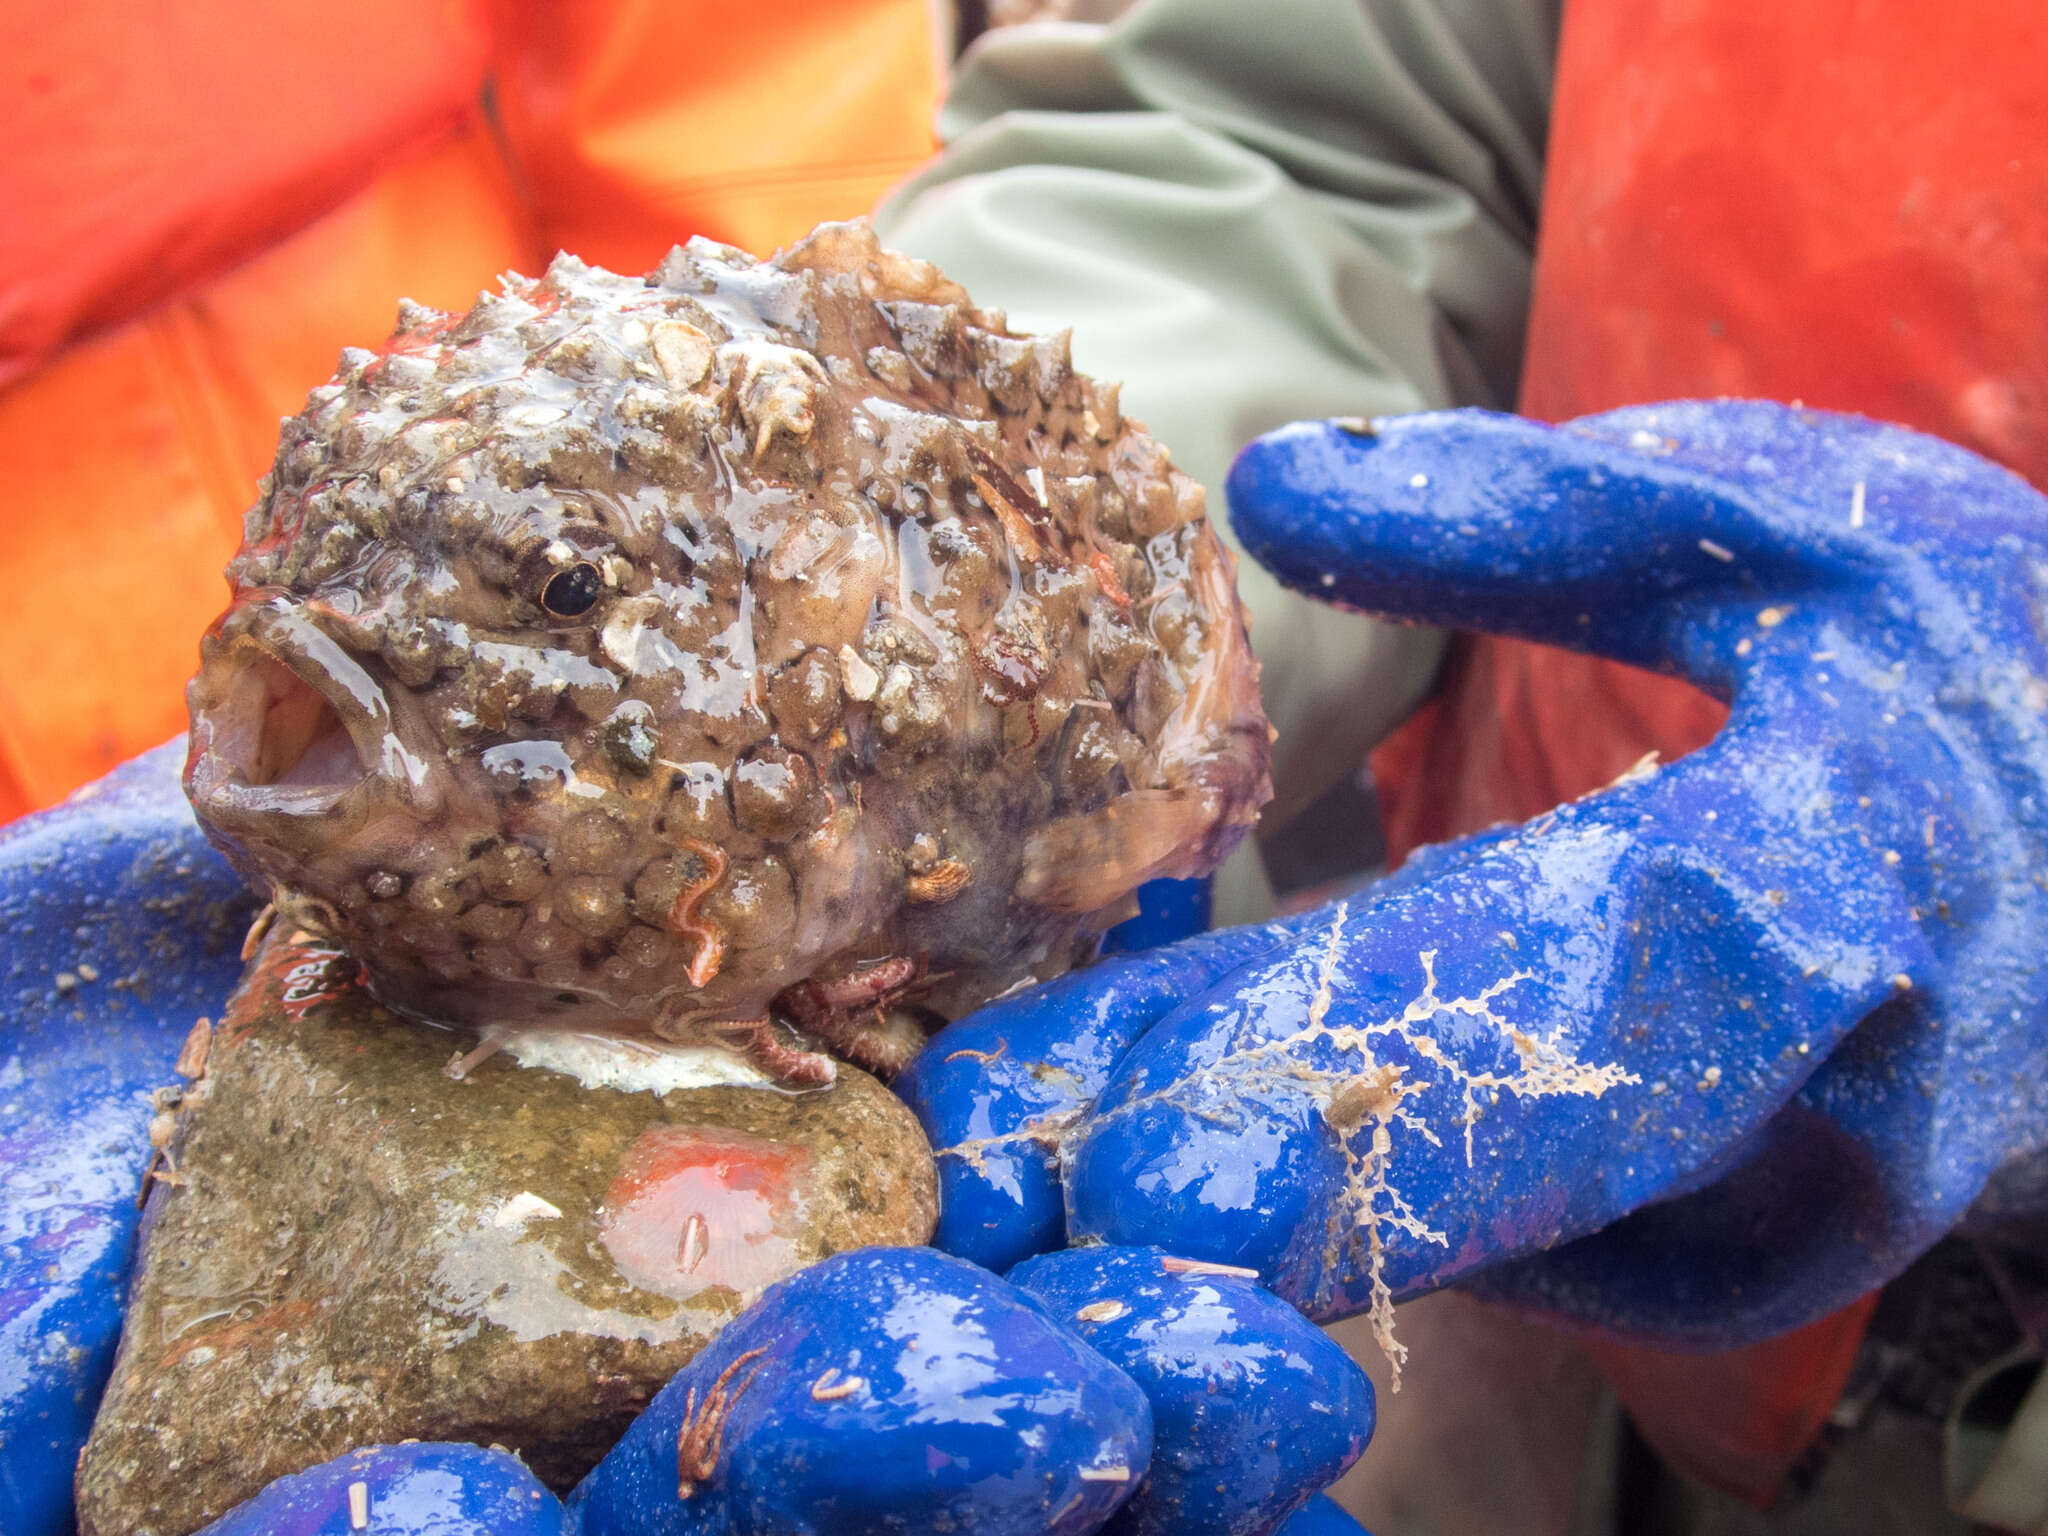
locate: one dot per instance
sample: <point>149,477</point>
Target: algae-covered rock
<point>361,1249</point>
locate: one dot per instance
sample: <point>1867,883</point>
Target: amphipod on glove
<point>1703,1055</point>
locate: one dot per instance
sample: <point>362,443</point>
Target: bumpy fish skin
<point>626,651</point>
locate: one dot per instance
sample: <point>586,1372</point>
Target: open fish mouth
<point>285,721</point>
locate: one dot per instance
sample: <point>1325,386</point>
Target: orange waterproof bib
<point>203,203</point>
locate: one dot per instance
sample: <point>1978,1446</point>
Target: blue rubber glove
<point>1322,1516</point>
<point>887,1390</point>
<point>1254,1408</point>
<point>121,928</point>
<point>897,1390</point>
<point>415,1489</point>
<point>1697,1058</point>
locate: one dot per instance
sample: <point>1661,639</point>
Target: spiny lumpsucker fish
<point>752,640</point>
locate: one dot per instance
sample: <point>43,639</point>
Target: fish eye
<point>571,590</point>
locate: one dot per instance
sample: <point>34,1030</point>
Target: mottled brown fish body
<point>627,651</point>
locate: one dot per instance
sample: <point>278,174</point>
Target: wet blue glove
<point>1254,1408</point>
<point>121,926</point>
<point>883,1390</point>
<point>430,1489</point>
<point>1322,1516</point>
<point>1696,1058</point>
<point>898,1390</point>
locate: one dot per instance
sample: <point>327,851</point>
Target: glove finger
<point>1599,535</point>
<point>998,1091</point>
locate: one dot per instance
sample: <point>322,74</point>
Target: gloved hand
<point>1699,1057</point>
<point>121,926</point>
<point>898,1390</point>
<point>420,1488</point>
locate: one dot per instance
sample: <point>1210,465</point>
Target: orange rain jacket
<point>202,203</point>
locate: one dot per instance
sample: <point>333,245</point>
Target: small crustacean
<point>167,1104</point>
<point>850,1013</point>
<point>722,651</point>
<point>162,1167</point>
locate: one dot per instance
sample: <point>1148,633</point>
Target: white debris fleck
<point>681,351</point>
<point>1856,506</point>
<point>1179,1266</point>
<point>695,1243</point>
<point>524,1207</point>
<point>1417,481</point>
<point>633,1065</point>
<point>860,679</point>
<point>1644,767</point>
<point>1720,552</point>
<point>1101,1312</point>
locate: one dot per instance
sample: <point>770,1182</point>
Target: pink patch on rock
<point>696,1208</point>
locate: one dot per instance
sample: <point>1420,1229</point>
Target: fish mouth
<point>287,723</point>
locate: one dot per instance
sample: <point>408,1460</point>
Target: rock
<point>402,1490</point>
<point>1254,1408</point>
<point>892,1392</point>
<point>365,1250</point>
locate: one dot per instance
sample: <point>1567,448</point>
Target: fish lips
<point>289,728</point>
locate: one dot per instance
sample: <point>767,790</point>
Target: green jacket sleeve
<point>1251,214</point>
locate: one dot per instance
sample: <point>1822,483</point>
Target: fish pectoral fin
<point>1082,863</point>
